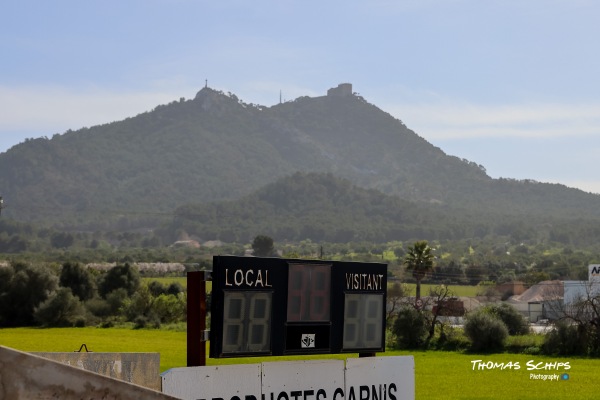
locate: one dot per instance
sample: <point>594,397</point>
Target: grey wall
<point>27,376</point>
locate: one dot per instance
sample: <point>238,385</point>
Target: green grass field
<point>167,280</point>
<point>456,290</point>
<point>438,375</point>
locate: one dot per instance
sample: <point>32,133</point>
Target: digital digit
<point>233,321</point>
<point>297,286</point>
<point>319,293</point>
<point>246,322</point>
<point>260,322</point>
<point>309,292</point>
<point>372,321</point>
<point>363,320</point>
<point>351,322</point>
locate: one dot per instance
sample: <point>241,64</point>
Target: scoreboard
<point>273,306</point>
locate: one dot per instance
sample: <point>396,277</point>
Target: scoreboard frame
<point>276,306</point>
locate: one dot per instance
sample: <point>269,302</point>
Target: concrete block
<point>27,376</point>
<point>140,368</point>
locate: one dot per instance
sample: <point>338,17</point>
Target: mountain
<point>312,206</point>
<point>136,172</point>
<point>322,207</point>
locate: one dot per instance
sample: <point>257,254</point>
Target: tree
<point>410,327</point>
<point>514,321</point>
<point>22,288</point>
<point>62,240</point>
<point>170,308</point>
<point>79,279</point>
<point>566,340</point>
<point>396,298</point>
<point>582,312</point>
<point>419,260</point>
<point>262,246</point>
<point>440,296</point>
<point>139,305</point>
<point>475,273</point>
<point>486,331</point>
<point>120,277</point>
<point>60,309</point>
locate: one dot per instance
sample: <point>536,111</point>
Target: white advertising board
<point>594,273</point>
<point>380,378</point>
<point>225,382</point>
<point>303,380</point>
<point>369,378</point>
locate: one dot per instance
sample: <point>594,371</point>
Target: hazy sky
<point>511,85</point>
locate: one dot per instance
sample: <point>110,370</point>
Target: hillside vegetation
<point>134,173</point>
<point>321,207</point>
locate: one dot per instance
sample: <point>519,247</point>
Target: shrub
<point>565,340</point>
<point>451,339</point>
<point>486,332</point>
<point>410,328</point>
<point>144,309</point>
<point>169,308</point>
<point>98,307</point>
<point>525,344</point>
<point>175,288</point>
<point>60,309</point>
<point>514,321</point>
<point>143,321</point>
<point>139,305</point>
<point>116,300</point>
<point>156,288</point>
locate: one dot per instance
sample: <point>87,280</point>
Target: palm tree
<point>419,260</point>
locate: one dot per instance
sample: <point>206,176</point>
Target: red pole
<point>196,318</point>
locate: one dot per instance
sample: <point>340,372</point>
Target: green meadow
<point>456,290</point>
<point>438,375</point>
<point>167,280</point>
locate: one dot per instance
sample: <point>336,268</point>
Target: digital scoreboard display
<point>272,306</point>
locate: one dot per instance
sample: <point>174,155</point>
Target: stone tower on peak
<point>342,90</point>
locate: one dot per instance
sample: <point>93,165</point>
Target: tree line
<point>73,295</point>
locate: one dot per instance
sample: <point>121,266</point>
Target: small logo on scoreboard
<point>307,340</point>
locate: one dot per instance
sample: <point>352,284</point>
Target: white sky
<point>511,85</point>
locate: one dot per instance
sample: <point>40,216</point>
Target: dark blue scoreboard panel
<point>273,306</point>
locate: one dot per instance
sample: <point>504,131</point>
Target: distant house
<point>576,291</point>
<point>541,301</point>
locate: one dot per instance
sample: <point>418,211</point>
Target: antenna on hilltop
<point>206,83</point>
<point>279,96</point>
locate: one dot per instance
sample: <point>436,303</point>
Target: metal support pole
<point>196,318</point>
